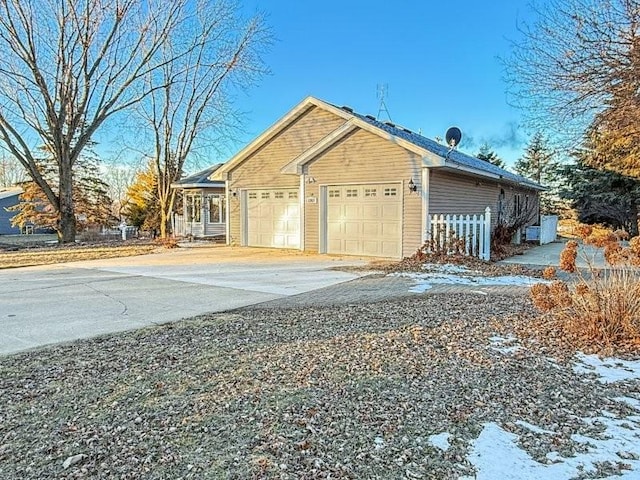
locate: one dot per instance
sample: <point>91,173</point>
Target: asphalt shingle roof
<point>201,177</point>
<point>451,156</point>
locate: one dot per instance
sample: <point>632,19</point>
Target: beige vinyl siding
<point>364,158</point>
<point>262,168</point>
<point>461,194</point>
<point>456,193</point>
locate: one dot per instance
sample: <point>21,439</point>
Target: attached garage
<point>363,219</point>
<point>272,218</point>
<point>326,179</point>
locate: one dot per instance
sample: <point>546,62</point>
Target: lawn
<point>23,254</point>
<point>434,386</point>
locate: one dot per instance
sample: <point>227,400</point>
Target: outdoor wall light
<point>412,186</point>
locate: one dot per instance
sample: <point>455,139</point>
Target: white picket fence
<point>473,232</point>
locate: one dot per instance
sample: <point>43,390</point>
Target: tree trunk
<point>164,222</point>
<point>67,225</point>
<point>633,221</point>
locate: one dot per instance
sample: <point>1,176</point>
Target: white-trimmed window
<point>217,211</point>
<point>390,192</point>
<point>193,203</point>
<point>517,204</point>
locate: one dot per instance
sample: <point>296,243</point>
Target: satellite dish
<point>453,137</point>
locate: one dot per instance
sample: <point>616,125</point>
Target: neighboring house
<point>326,179</point>
<point>8,198</point>
<point>204,206</point>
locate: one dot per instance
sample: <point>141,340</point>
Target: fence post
<point>486,253</point>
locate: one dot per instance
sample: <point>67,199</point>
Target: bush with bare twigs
<point>598,309</point>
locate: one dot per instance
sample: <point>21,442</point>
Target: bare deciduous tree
<point>191,97</point>
<point>67,66</point>
<point>119,177</point>
<point>11,171</point>
<point>573,60</point>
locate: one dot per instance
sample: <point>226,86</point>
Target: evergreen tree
<point>601,196</point>
<point>488,155</point>
<point>93,204</point>
<point>540,165</point>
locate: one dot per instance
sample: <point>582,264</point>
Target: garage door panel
<point>364,220</point>
<point>371,229</point>
<point>273,218</point>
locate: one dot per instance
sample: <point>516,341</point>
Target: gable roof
<point>433,154</point>
<point>200,179</point>
<point>10,192</point>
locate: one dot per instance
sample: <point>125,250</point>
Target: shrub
<point>597,309</point>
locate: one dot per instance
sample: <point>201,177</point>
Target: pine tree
<point>93,204</point>
<point>601,196</point>
<point>540,165</point>
<point>488,155</point>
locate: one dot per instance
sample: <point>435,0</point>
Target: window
<point>278,195</point>
<point>217,210</point>
<point>334,193</point>
<point>517,204</point>
<point>390,192</point>
<point>253,195</point>
<point>352,192</point>
<point>194,208</point>
<point>293,195</point>
<point>265,195</point>
<point>370,192</point>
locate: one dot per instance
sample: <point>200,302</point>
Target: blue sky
<point>440,61</point>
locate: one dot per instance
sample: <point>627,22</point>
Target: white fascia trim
<point>198,185</point>
<point>474,171</point>
<point>298,110</point>
<point>297,164</point>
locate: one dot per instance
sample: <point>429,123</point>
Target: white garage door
<point>365,220</point>
<point>273,218</point>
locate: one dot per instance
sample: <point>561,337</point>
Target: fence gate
<point>466,234</point>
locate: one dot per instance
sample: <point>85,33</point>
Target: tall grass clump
<point>597,309</point>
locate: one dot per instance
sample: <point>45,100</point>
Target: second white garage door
<point>364,220</point>
<point>273,218</point>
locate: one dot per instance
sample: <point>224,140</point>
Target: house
<point>9,197</point>
<point>326,179</point>
<point>204,206</point>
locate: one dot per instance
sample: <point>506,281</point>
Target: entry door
<point>273,218</point>
<point>364,219</point>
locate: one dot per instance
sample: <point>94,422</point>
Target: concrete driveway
<point>59,303</point>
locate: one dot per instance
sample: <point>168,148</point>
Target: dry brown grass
<point>48,256</point>
<point>598,310</point>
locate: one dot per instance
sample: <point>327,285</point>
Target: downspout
<point>227,212</point>
<point>302,213</point>
<point>424,194</point>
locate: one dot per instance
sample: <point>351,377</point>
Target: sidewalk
<point>549,255</point>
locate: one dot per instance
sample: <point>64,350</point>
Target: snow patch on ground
<point>495,453</point>
<point>441,441</point>
<point>533,428</point>
<point>458,275</point>
<point>609,370</point>
<point>505,345</point>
